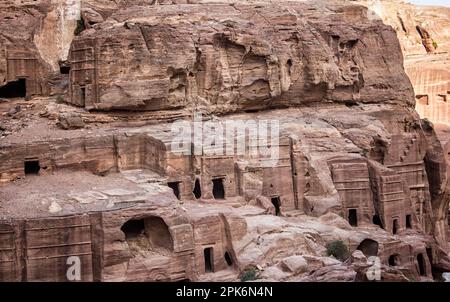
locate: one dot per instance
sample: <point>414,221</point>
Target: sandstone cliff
<point>355,163</point>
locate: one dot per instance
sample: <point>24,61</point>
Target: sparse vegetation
<point>338,249</point>
<point>435,45</point>
<point>59,99</point>
<point>249,275</point>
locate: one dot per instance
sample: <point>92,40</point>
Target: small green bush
<point>435,45</point>
<point>59,99</point>
<point>249,275</point>
<point>338,249</point>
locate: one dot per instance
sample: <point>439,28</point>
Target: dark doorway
<point>408,222</point>
<point>197,190</point>
<point>64,69</point>
<point>377,221</point>
<point>353,217</point>
<point>175,186</point>
<point>277,204</point>
<point>133,228</point>
<point>421,263</point>
<point>218,189</point>
<point>32,167</point>
<point>395,226</point>
<point>208,254</point>
<point>394,260</point>
<point>16,89</point>
<point>228,259</point>
<point>83,96</point>
<point>369,247</point>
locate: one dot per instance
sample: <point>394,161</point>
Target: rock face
<point>256,58</point>
<point>425,40</point>
<point>352,161</point>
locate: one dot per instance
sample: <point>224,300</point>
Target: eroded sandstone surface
<point>91,170</point>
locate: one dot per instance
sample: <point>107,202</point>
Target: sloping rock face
<point>255,57</point>
<point>425,41</point>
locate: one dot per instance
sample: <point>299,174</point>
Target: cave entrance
<point>395,226</point>
<point>15,89</point>
<point>175,186</point>
<point>368,247</point>
<point>149,233</point>
<point>277,204</point>
<point>64,69</point>
<point>421,263</point>
<point>32,167</point>
<point>197,189</point>
<point>209,264</point>
<point>377,221</point>
<point>218,188</point>
<point>394,260</point>
<point>408,222</point>
<point>228,259</point>
<point>133,228</point>
<point>353,217</point>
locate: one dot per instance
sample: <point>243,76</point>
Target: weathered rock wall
<point>259,57</point>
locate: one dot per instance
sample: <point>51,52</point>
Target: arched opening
<point>32,167</point>
<point>353,217</point>
<point>277,204</point>
<point>148,234</point>
<point>208,256</point>
<point>421,263</point>
<point>15,89</point>
<point>197,190</point>
<point>394,260</point>
<point>133,228</point>
<point>408,222</point>
<point>218,188</point>
<point>175,186</point>
<point>368,247</point>
<point>228,259</point>
<point>395,226</point>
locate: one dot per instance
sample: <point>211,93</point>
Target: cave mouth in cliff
<point>197,189</point>
<point>228,259</point>
<point>353,217</point>
<point>133,228</point>
<point>175,186</point>
<point>377,221</point>
<point>14,89</point>
<point>394,260</point>
<point>368,247</point>
<point>32,167</point>
<point>64,69</point>
<point>148,233</point>
<point>209,264</point>
<point>277,204</point>
<point>421,263</point>
<point>218,188</point>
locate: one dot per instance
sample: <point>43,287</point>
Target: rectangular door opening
<point>32,167</point>
<point>218,188</point>
<point>209,264</point>
<point>353,217</point>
